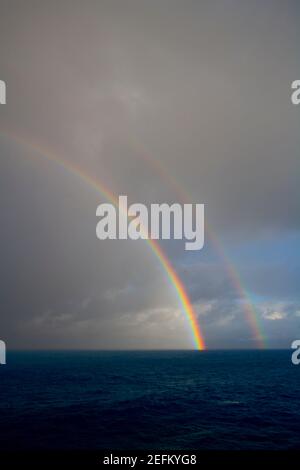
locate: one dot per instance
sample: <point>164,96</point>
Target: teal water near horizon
<point>150,400</point>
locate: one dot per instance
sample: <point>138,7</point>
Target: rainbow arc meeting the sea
<point>98,186</point>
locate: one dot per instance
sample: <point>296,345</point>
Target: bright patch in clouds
<point>275,316</point>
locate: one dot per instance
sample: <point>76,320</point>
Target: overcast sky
<point>161,100</point>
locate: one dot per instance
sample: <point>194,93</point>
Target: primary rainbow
<point>173,277</point>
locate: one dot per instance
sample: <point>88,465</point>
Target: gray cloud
<point>112,86</point>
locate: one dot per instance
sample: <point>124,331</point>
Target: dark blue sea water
<point>150,400</point>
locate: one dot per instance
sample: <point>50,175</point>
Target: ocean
<point>189,400</point>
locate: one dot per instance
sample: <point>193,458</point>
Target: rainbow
<point>250,312</point>
<point>98,186</point>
